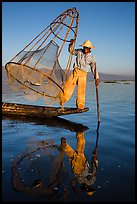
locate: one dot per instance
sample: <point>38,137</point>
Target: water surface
<point>36,168</point>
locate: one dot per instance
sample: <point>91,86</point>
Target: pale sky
<point>110,26</point>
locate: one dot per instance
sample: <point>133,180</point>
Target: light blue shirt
<point>85,62</point>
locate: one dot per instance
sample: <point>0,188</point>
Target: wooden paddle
<point>97,99</point>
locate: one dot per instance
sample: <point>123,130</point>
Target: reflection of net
<point>27,165</point>
<point>37,72</point>
<point>29,175</point>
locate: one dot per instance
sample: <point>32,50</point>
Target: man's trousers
<point>76,77</point>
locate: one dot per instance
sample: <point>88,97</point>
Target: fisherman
<point>84,62</point>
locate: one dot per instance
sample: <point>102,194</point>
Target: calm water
<point>35,167</point>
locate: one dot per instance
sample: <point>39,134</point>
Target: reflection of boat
<point>37,111</point>
<point>49,121</point>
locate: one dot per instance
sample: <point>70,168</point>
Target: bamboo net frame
<point>36,69</point>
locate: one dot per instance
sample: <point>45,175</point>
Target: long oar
<point>98,106</point>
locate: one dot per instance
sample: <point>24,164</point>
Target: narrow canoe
<point>37,111</point>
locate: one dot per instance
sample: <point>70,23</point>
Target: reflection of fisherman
<point>80,165</point>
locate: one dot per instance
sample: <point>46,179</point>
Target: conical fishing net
<point>41,68</point>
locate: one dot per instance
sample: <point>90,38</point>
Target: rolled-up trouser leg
<point>68,88</point>
<point>80,101</point>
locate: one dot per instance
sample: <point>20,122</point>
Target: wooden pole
<point>98,106</point>
<point>97,99</point>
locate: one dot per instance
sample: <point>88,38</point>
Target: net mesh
<point>36,70</point>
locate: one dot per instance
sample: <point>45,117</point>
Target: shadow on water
<point>51,122</point>
<point>49,172</point>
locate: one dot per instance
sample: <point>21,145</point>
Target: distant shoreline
<point>103,77</point>
<point>111,77</point>
<point>114,81</point>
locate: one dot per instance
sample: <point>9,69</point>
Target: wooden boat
<point>37,111</point>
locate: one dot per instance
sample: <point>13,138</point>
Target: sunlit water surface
<point>30,150</point>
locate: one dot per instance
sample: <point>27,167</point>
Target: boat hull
<point>37,111</point>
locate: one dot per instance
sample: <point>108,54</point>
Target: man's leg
<point>68,88</point>
<point>81,91</point>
